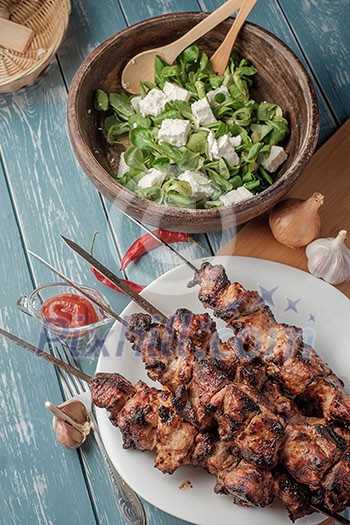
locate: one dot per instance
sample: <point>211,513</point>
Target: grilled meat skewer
<point>295,365</point>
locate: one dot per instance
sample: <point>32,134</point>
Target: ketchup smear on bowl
<point>69,311</point>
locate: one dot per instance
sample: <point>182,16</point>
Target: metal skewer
<point>48,357</point>
<point>138,299</point>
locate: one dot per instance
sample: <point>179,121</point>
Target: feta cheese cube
<point>135,103</point>
<point>175,92</point>
<point>200,184</point>
<point>153,177</point>
<point>154,103</point>
<point>175,131</point>
<point>211,94</point>
<point>202,112</point>
<point>234,196</point>
<point>123,167</point>
<point>236,141</point>
<point>275,159</point>
<point>222,147</point>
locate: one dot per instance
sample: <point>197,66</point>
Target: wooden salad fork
<point>141,67</point>
<point>220,58</point>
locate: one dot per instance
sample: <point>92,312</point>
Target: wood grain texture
<point>328,173</point>
<point>323,29</point>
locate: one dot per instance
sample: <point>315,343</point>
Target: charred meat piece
<point>336,484</point>
<point>280,403</point>
<point>111,391</point>
<point>329,396</point>
<point>167,358</point>
<point>309,451</point>
<point>175,440</point>
<point>199,328</point>
<point>261,439</point>
<point>212,281</point>
<point>233,409</point>
<point>248,484</point>
<point>223,457</point>
<point>138,419</point>
<point>295,497</point>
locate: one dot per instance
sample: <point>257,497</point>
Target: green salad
<point>197,139</point>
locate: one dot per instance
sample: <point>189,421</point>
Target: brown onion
<point>296,222</point>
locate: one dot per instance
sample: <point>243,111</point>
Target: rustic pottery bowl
<point>281,79</point>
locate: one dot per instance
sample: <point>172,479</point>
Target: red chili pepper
<point>136,287</point>
<point>146,242</point>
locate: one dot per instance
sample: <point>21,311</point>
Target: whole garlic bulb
<point>329,259</point>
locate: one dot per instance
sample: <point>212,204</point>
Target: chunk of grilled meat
<point>295,365</point>
<point>248,484</point>
<point>111,391</point>
<point>336,484</point>
<point>310,450</point>
<point>148,421</point>
<point>295,497</point>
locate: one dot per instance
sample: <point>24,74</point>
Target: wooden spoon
<point>220,58</point>
<point>141,67</point>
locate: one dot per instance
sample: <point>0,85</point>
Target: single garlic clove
<point>67,435</point>
<point>75,409</point>
<point>70,423</point>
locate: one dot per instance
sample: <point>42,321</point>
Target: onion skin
<point>296,222</point>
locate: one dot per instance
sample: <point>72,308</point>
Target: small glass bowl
<point>77,338</point>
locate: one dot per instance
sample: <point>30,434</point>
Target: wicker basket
<point>49,20</point>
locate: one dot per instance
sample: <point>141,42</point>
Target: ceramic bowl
<point>281,78</point>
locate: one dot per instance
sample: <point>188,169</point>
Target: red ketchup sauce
<point>69,311</point>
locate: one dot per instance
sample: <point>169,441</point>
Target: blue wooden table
<point>44,193</point>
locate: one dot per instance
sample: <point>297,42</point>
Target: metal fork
<point>128,502</point>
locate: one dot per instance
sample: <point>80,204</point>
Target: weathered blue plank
<point>36,474</point>
<point>135,12</point>
<point>90,24</point>
<point>322,28</point>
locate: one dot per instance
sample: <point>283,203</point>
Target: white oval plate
<point>295,298</point>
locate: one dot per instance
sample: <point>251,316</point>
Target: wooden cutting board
<point>328,172</point>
